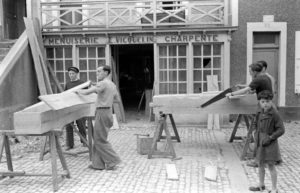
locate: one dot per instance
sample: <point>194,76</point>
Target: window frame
<point>177,57</point>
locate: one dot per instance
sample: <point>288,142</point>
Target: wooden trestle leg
<point>249,138</point>
<point>173,126</point>
<point>90,135</point>
<point>55,148</point>
<point>52,145</point>
<point>43,150</point>
<point>1,146</point>
<point>88,142</point>
<point>239,118</point>
<point>61,157</point>
<point>162,126</point>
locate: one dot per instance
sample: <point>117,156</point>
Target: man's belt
<point>103,108</point>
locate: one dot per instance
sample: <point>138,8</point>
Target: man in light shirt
<point>103,157</point>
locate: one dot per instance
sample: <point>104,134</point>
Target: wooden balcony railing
<point>121,14</point>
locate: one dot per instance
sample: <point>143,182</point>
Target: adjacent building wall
<point>18,90</point>
<point>253,11</point>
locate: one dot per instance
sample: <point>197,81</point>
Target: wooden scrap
<point>115,122</point>
<point>171,172</point>
<point>211,173</point>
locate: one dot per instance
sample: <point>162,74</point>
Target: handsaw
<point>217,97</point>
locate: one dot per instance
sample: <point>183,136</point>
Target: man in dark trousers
<point>74,81</point>
<point>104,157</point>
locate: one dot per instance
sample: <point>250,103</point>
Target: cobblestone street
<point>199,147</point>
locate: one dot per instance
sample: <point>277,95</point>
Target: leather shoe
<point>68,148</point>
<point>270,191</point>
<point>111,168</point>
<point>252,164</point>
<point>93,168</point>
<point>257,188</point>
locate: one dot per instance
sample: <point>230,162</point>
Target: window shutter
<point>297,63</point>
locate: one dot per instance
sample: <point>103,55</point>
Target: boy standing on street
<point>74,81</point>
<point>269,127</point>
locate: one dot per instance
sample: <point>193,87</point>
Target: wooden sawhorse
<point>54,145</point>
<point>249,137</point>
<point>162,126</point>
<point>88,142</point>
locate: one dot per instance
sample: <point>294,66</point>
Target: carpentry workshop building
<point>172,47</point>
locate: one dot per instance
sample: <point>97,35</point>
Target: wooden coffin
<point>191,104</point>
<point>40,118</point>
<point>59,110</point>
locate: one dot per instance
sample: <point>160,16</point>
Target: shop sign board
<point>129,39</point>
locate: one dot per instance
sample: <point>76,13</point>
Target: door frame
<point>1,20</point>
<point>275,50</point>
<point>280,27</point>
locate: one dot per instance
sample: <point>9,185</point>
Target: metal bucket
<point>144,143</point>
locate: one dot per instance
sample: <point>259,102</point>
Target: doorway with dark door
<point>13,13</point>
<point>266,47</point>
<point>135,69</point>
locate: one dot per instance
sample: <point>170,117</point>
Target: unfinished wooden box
<point>191,104</point>
<point>40,118</point>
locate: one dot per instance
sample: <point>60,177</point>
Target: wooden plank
<point>61,157</point>
<point>120,109</point>
<point>115,122</point>
<point>12,56</point>
<point>1,146</point>
<point>213,121</point>
<point>37,64</point>
<point>191,104</point>
<point>33,41</point>
<point>64,100</point>
<point>41,51</point>
<point>211,173</point>
<point>171,172</point>
<point>41,106</point>
<point>8,153</point>
<point>54,78</point>
<point>90,135</point>
<point>52,145</point>
<point>68,98</point>
<point>38,33</point>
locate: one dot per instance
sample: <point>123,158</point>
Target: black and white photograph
<point>149,96</point>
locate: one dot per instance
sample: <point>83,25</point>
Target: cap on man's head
<point>74,69</point>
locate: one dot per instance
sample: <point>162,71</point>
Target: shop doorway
<point>135,69</point>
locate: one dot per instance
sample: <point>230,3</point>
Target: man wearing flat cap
<point>74,81</point>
